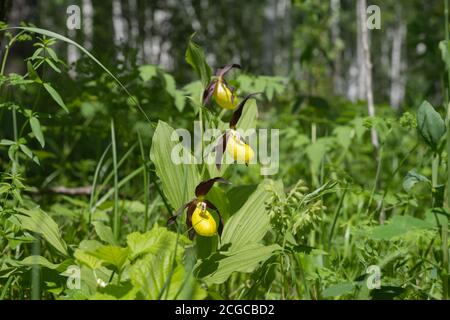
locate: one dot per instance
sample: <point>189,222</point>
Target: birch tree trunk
<point>269,37</point>
<point>335,34</point>
<point>366,66</point>
<point>397,90</point>
<point>87,23</point>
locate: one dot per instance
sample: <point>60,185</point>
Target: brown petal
<point>224,70</point>
<point>238,112</point>
<point>204,186</point>
<point>208,92</point>
<point>220,149</point>
<point>213,207</point>
<point>189,213</point>
<point>172,219</point>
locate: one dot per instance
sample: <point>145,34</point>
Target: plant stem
<point>146,188</point>
<point>116,223</point>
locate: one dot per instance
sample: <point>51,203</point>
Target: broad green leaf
<point>344,136</point>
<point>55,95</point>
<point>444,47</point>
<point>316,152</point>
<point>37,131</point>
<point>196,58</point>
<point>148,72</point>
<point>219,266</point>
<point>338,289</point>
<point>251,222</point>
<point>38,221</point>
<point>6,142</point>
<point>238,195</point>
<point>194,92</point>
<point>32,73</point>
<point>104,232</point>
<point>178,180</point>
<point>112,255</point>
<point>28,153</point>
<point>155,274</point>
<point>177,95</point>
<point>249,116</point>
<point>88,259</point>
<point>156,240</point>
<point>39,260</point>
<point>430,124</point>
<point>398,226</point>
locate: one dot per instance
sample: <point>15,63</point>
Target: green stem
<point>434,176</point>
<point>116,222</point>
<point>146,187</point>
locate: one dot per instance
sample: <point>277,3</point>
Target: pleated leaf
<point>38,221</point>
<point>217,268</point>
<point>251,222</point>
<point>178,180</point>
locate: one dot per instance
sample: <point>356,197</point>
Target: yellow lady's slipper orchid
<point>218,88</point>
<point>231,140</point>
<point>239,150</point>
<point>224,97</point>
<point>203,222</point>
<point>198,219</point>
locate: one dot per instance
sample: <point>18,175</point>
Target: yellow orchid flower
<point>218,88</point>
<point>198,218</point>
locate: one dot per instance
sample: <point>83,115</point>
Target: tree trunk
<point>366,66</point>
<point>87,23</point>
<point>268,41</point>
<point>397,91</point>
<point>335,34</point>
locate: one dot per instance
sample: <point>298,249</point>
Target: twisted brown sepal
<point>204,186</point>
<point>189,213</point>
<point>238,112</point>
<point>172,219</point>
<point>208,92</point>
<point>213,207</point>
<point>220,149</point>
<point>224,70</point>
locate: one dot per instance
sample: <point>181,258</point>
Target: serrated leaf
<point>112,255</point>
<point>148,72</point>
<point>154,273</point>
<point>87,259</point>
